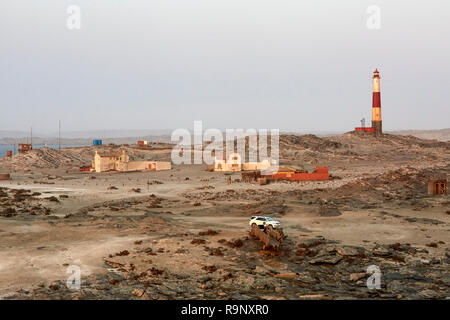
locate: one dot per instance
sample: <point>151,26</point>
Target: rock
<point>208,233</point>
<point>303,252</point>
<point>348,251</point>
<point>395,276</point>
<point>198,241</point>
<point>8,212</point>
<point>52,198</point>
<point>210,269</point>
<point>313,242</point>
<point>54,286</point>
<point>357,276</point>
<point>329,211</point>
<point>123,253</point>
<point>326,259</point>
<point>381,251</point>
<point>259,269</point>
<point>435,261</point>
<point>429,294</point>
<point>286,275</point>
<point>306,278</point>
<point>235,243</point>
<point>403,248</point>
<point>424,220</point>
<point>238,296</point>
<point>315,297</point>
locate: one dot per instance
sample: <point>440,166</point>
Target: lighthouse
<point>376,105</point>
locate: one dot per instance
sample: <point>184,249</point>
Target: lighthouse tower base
<point>377,128</point>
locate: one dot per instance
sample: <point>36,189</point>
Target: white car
<point>263,222</point>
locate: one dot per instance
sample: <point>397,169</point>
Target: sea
<point>4,147</point>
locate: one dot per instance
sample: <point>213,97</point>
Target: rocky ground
<point>184,234</point>
<point>75,157</point>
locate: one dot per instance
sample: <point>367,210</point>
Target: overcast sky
<point>159,64</point>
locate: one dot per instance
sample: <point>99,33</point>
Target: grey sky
<point>154,64</point>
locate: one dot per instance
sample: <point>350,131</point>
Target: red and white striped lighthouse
<point>376,105</point>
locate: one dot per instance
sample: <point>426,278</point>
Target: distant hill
<point>16,134</point>
<point>131,136</point>
<point>111,134</point>
<point>85,137</point>
<point>441,134</point>
<point>91,134</point>
<point>83,141</point>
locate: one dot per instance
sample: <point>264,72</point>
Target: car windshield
<point>269,219</point>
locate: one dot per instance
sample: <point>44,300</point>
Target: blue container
<point>97,142</point>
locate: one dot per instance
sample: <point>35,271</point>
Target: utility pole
<point>59,136</point>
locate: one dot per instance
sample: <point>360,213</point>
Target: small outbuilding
<point>142,143</point>
<point>5,176</point>
<point>25,147</point>
<point>97,142</point>
<point>437,187</point>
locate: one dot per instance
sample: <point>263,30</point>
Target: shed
<point>5,176</point>
<point>437,187</point>
<point>25,147</point>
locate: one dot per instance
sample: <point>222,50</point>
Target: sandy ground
<point>91,223</point>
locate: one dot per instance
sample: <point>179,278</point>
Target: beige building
<point>252,166</point>
<point>234,163</point>
<point>120,161</point>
